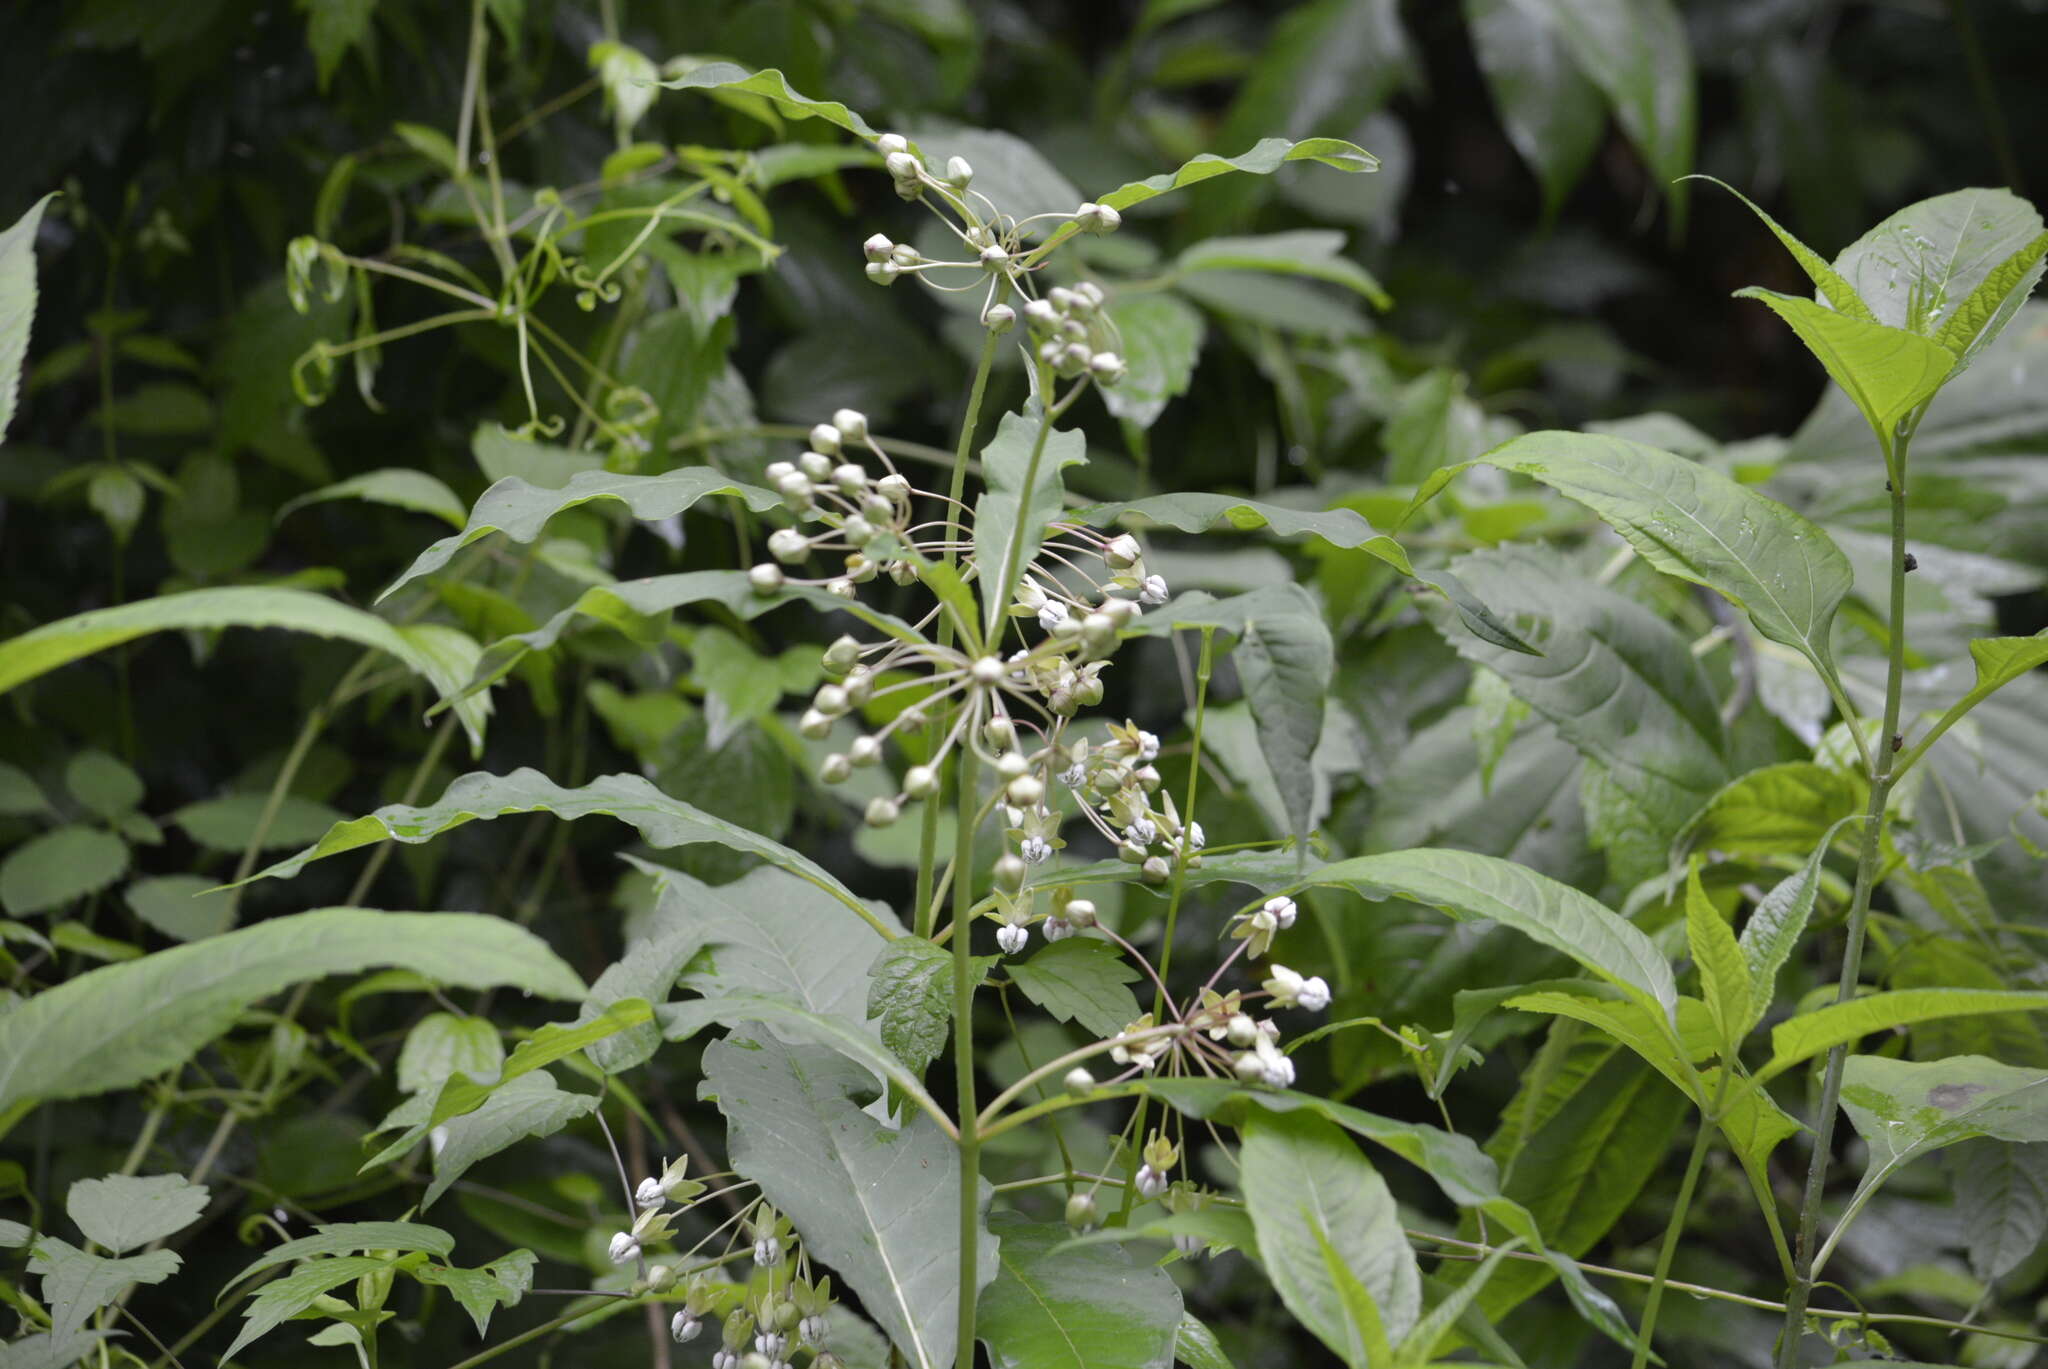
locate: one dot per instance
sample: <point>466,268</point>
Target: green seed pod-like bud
<point>841,656</point>
<point>1026,790</point>
<point>835,769</point>
<point>882,812</point>
<point>766,578</point>
<point>1009,873</point>
<point>1081,1214</point>
<point>864,752</point>
<point>1080,1082</point>
<point>920,781</point>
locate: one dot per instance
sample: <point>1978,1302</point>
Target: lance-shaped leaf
<point>1697,524</point>
<point>531,1105</point>
<point>347,1238</point>
<point>879,1206</point>
<point>1053,1306</point>
<point>43,649</point>
<point>1999,661</point>
<point>1022,465</point>
<point>1777,810</point>
<point>1724,974</point>
<point>772,86</point>
<point>1551,113</point>
<point>17,303</point>
<point>121,1024</point>
<point>660,820</point>
<point>520,509</point>
<point>1954,268</point>
<point>278,1301</point>
<point>1774,928</point>
<point>1838,1024</point>
<point>399,487</point>
<point>1467,885</point>
<point>1315,253</point>
<point>1834,288</point>
<point>1887,371</point>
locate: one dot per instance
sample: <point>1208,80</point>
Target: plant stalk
<point>1676,1226</point>
<point>1882,775</point>
<point>963,1054</point>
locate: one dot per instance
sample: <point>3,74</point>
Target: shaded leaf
<point>529,1105</point>
<point>1087,1307</point>
<point>1080,980</point>
<point>76,1285</point>
<point>1810,1033</point>
<point>122,1212</point>
<point>399,487</point>
<point>52,868</point>
<point>17,304</point>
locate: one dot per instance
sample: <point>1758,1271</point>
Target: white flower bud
<point>1152,590</point>
<point>775,472</point>
<point>1035,850</point>
<point>1011,764</point>
<point>813,1329</point>
<point>794,486</point>
<point>649,1193</point>
<point>1283,911</point>
<point>1079,1082</point>
<point>816,466</point>
<point>958,171</point>
<point>830,700</point>
<point>1041,313</point>
<point>1081,1212</point>
<point>825,439</point>
<point>1242,1031</point>
<point>1027,790</point>
<point>1097,218</point>
<point>766,578</point>
<point>1056,929</point>
<point>684,1326</point>
<point>1051,614</point>
<point>771,1344</point>
<point>994,258</point>
<point>858,530</point>
<point>883,272</point>
<point>850,478</point>
<point>841,655</point>
<point>1148,746</point>
<point>986,671</point>
<point>1011,938</point>
<point>1195,838</point>
<point>891,143</point>
<point>903,166</point>
<point>623,1247</point>
<point>1098,629</point>
<point>1000,318</point>
<point>787,544</point>
<point>864,752</point>
<point>894,485</point>
<point>1143,832</point>
<point>1156,870</point>
<point>814,725</point>
<point>877,248</point>
<point>1009,872</point>
<point>1107,367</point>
<point>906,256</point>
<point>1314,994</point>
<point>1080,912</point>
<point>1089,293</point>
<point>1285,986</point>
<point>767,1251</point>
<point>835,769</point>
<point>882,811</point>
<point>1151,1183</point>
<point>1122,552</point>
<point>920,781</point>
<point>1000,731</point>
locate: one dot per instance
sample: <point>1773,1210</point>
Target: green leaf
<point>1776,925</point>
<point>520,509</point>
<point>1905,1109</point>
<point>1365,1335</point>
<point>43,649</point>
<point>1315,253</point>
<point>50,870</point>
<point>555,1041</point>
<point>1080,980</point>
<point>1810,1033</point>
<point>443,1044</point>
<point>332,28</point>
<point>645,973</point>
<point>116,1026</point>
<point>1838,292</point>
<point>501,1283</point>
<point>1161,339</point>
<point>661,821</point>
<point>20,795</point>
<point>1999,661</point>
<point>122,1212</point>
<point>1264,158</point>
<point>1887,371</point>
<point>911,993</point>
<point>342,1238</point>
<point>880,1207</point>
<point>76,1285</point>
<point>2001,1202</point>
<point>231,823</point>
<point>528,1105</point>
<point>182,907</point>
<point>396,486</point>
<point>1923,268</point>
<point>774,87</point>
<point>1055,1306</point>
<point>17,303</point>
<point>13,1235</point>
<point>1467,885</point>
<point>1979,319</point>
<point>1724,973</point>
<point>1303,1179</point>
<point>1196,1346</point>
<point>1636,51</point>
<point>1777,810</point>
<point>280,1300</point>
<point>1633,1026</point>
<point>1552,114</point>
<point>102,784</point>
<point>1695,523</point>
<point>1011,516</point>
<point>1197,511</point>
<point>499,453</point>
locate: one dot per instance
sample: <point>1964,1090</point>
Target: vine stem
<point>1882,776</point>
<point>963,1056</point>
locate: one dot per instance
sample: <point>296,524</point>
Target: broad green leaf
<point>1196,1346</point>
<point>1615,679</point>
<point>1007,169</point>
<point>1809,1034</point>
<point>76,1285</point>
<point>1637,52</point>
<point>1365,1334</point>
<point>1419,1346</point>
<point>1434,424</point>
<point>499,453</point>
<point>555,1041</point>
<point>1300,1176</point>
<point>1080,980</point>
<point>2001,1202</point>
<point>1467,885</point>
<point>332,28</point>
<point>182,907</point>
<point>1022,466</point>
<point>501,1283</point>
<point>1838,292</point>
<point>1775,927</point>
<point>443,1044</point>
<point>1316,253</point>
<point>1777,810</point>
<point>1887,371</point>
<point>1724,974</point>
<point>122,1212</point>
<point>1905,1109</point>
<point>527,1106</point>
<point>1055,1306</point>
<point>278,1301</point>
<point>396,486</point>
<point>645,973</point>
<point>17,304</point>
<point>1693,522</point>
<point>661,821</point>
<point>116,1026</point>
<point>1922,268</point>
<point>13,1235</point>
<point>344,1238</point>
<point>1999,661</point>
<point>520,509</point>
<point>20,795</point>
<point>773,86</point>
<point>52,868</point>
<point>879,1207</point>
<point>1161,337</point>
<point>231,823</point>
<point>45,1351</point>
<point>1629,1023</point>
<point>1979,320</point>
<point>43,649</point>
<point>1552,114</point>
<point>102,784</point>
<point>910,996</point>
<point>1199,511</point>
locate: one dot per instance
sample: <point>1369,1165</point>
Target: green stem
<point>963,1054</point>
<point>524,1337</point>
<point>1882,776</point>
<point>1676,1226</point>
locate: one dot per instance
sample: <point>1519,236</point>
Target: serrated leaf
<point>1022,498</point>
<point>52,868</point>
<point>396,486</point>
<point>1724,974</point>
<point>122,1212</point>
<point>2001,1202</point>
<point>1920,268</point>
<point>1090,1307</point>
<point>661,821</point>
<point>1777,923</point>
<point>529,1105</point>
<point>1777,810</point>
<point>117,1026</point>
<point>501,1283</point>
<point>344,1238</point>
<point>76,1285</point>
<point>880,1207</point>
<point>1811,1033</point>
<point>1906,1109</point>
<point>1999,661</point>
<point>1837,291</point>
<point>1887,371</point>
<point>520,509</point>
<point>17,303</point>
<point>281,1299</point>
<point>1303,1179</point>
<point>1080,980</point>
<point>911,992</point>
<point>1979,319</point>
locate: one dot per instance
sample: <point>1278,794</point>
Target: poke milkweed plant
<point>986,612</point>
